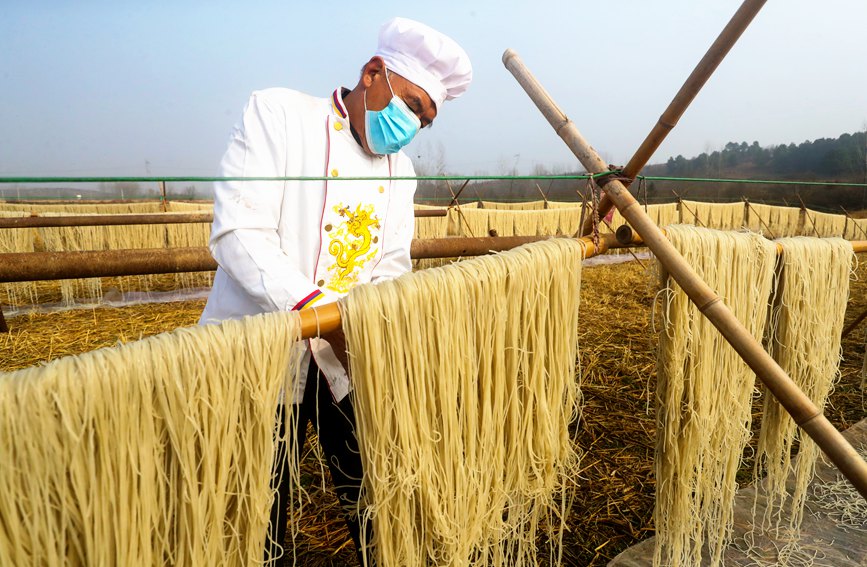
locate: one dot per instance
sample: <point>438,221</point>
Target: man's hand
<point>337,340</point>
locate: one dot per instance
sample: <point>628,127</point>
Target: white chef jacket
<point>283,245</point>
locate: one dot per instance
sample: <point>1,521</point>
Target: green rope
<point>754,181</point>
<point>323,178</point>
<point>187,179</point>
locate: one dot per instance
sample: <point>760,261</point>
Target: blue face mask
<point>393,127</point>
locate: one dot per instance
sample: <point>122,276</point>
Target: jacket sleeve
<point>244,239</point>
<point>400,228</point>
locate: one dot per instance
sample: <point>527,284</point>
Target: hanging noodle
<point>805,331</point>
<point>823,224</point>
<point>13,240</point>
<point>726,216</point>
<point>465,386</point>
<point>704,394</point>
<point>83,208</point>
<point>526,206</point>
<point>774,222</point>
<point>570,220</point>
<point>856,229</point>
<point>157,452</point>
<point>721,216</point>
<point>664,214</point>
<point>190,207</point>
<point>115,237</point>
<point>431,227</point>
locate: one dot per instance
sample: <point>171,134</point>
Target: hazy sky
<point>94,87</point>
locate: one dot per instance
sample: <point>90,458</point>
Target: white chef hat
<point>426,57</point>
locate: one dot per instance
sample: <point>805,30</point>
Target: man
<point>284,245</point>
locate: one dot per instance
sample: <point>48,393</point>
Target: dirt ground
<point>614,498</point>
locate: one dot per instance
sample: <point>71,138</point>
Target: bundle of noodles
<point>805,330</point>
<point>157,452</point>
<point>721,216</point>
<point>14,240</point>
<point>114,237</point>
<point>501,222</point>
<point>431,227</point>
<point>189,207</point>
<point>184,235</point>
<point>704,394</point>
<point>823,224</point>
<point>527,222</point>
<point>774,222</point>
<point>470,205</point>
<point>570,220</point>
<point>856,229</point>
<point>664,214</point>
<point>559,222</point>
<point>84,208</point>
<point>564,204</point>
<point>548,222</point>
<point>79,238</point>
<point>465,385</point>
<point>467,222</point>
<point>726,216</point>
<point>693,212</point>
<point>527,206</point>
<point>480,222</point>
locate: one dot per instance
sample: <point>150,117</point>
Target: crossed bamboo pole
<point>800,407</point>
<point>681,101</point>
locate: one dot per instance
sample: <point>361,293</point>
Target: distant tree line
<point>840,158</point>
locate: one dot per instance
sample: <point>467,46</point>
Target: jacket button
<point>381,189</point>
<point>338,126</point>
<point>328,227</point>
<point>320,283</point>
<point>333,173</point>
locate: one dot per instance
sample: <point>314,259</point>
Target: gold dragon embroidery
<point>351,245</point>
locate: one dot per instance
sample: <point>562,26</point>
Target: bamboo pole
<point>853,325</point>
<point>164,202</point>
<point>800,407</point>
<point>37,266</point>
<point>105,220</point>
<point>684,97</point>
<point>136,218</point>
<point>430,213</point>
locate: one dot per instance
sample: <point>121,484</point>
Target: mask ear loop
<point>391,90</point>
<point>388,82</point>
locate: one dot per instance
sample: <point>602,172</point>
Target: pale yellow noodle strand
<point>807,322</point>
<point>704,394</point>
<point>465,385</point>
<point>158,452</point>
<point>823,224</point>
